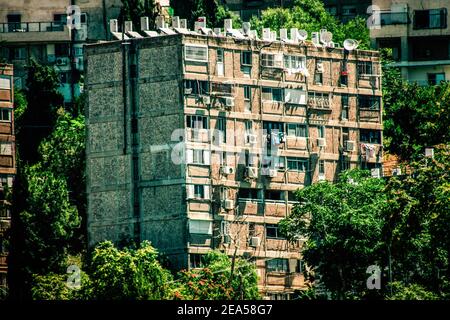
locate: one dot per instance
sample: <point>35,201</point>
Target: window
<point>198,157</point>
<point>196,86</point>
<point>18,53</point>
<point>299,266</point>
<point>5,82</point>
<point>197,122</point>
<point>196,53</point>
<point>5,114</point>
<point>196,260</point>
<point>365,68</point>
<point>251,229</point>
<point>272,231</point>
<point>369,102</point>
<point>321,130</point>
<point>247,193</point>
<point>436,78</point>
<point>297,164</point>
<point>345,107</point>
<point>391,18</point>
<point>294,62</point>
<point>220,56</point>
<point>62,50</point>
<point>219,87</point>
<point>370,136</point>
<point>267,60</point>
<point>200,227</point>
<point>14,22</point>
<point>318,78</point>
<point>276,195</point>
<point>296,130</point>
<point>430,19</point>
<point>277,265</point>
<point>247,93</point>
<point>222,127</point>
<point>272,94</point>
<point>65,77</point>
<point>292,197</point>
<point>60,18</point>
<point>199,191</point>
<point>246,58</point>
<point>321,167</point>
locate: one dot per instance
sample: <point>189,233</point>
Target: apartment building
<point>419,35</point>
<point>198,140</point>
<point>38,29</point>
<point>346,10</point>
<point>7,166</point>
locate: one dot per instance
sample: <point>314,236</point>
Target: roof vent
<point>159,22</point>
<point>128,26</point>
<point>145,25</point>
<point>113,25</point>
<point>228,24</point>
<point>175,22</point>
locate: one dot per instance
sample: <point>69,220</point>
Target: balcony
<point>34,32</point>
<point>319,103</point>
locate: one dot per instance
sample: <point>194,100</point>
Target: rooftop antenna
<point>350,44</point>
<point>266,34</point>
<point>228,24</point>
<point>175,22</point>
<point>284,35</point>
<point>145,24</point>
<point>302,35</point>
<point>246,28</point>
<point>326,37</point>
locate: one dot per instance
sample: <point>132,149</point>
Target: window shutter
<point>207,192</point>
<point>190,191</point>
<point>189,156</point>
<point>207,157</point>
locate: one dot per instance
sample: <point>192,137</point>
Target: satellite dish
<point>350,44</point>
<point>302,35</point>
<point>326,37</point>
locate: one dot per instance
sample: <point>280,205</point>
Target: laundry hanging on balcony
<point>368,151</point>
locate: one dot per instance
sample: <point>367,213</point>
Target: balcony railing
<point>50,26</point>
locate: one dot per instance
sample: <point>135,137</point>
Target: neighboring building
<point>419,34</point>
<point>38,29</point>
<point>319,108</point>
<point>248,8</point>
<point>7,165</point>
<point>346,10</point>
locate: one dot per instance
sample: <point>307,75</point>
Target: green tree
<point>214,12</point>
<point>133,10</point>
<point>43,101</point>
<point>219,279</point>
<point>310,15</point>
<point>343,225</point>
<point>127,274</point>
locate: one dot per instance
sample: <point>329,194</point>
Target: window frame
<point>301,164</point>
<point>190,56</point>
<point>245,56</point>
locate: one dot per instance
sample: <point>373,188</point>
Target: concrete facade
<point>7,166</point>
<point>419,34</point>
<point>157,169</point>
<point>345,10</point>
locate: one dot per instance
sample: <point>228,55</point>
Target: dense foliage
<point>214,12</point>
<point>402,226</point>
<point>133,10</point>
<point>310,15</point>
<point>415,117</point>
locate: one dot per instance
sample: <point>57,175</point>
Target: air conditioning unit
<point>321,177</point>
<point>321,142</point>
<point>227,170</point>
<point>376,173</point>
<point>206,99</point>
<point>62,61</point>
<point>350,146</point>
<point>228,204</point>
<point>252,172</point>
<point>187,90</point>
<point>255,241</point>
<point>397,172</point>
<point>319,67</point>
<point>229,102</point>
<point>252,138</point>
